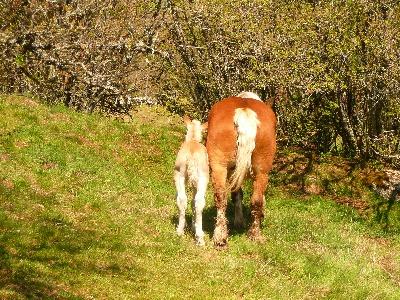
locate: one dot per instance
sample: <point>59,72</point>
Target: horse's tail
<point>246,124</point>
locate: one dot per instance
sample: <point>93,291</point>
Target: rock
<point>386,183</point>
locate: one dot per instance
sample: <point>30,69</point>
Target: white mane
<point>250,95</point>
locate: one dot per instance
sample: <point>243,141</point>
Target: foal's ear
<point>204,126</point>
<point>187,120</point>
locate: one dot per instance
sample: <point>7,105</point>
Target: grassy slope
<point>87,212</point>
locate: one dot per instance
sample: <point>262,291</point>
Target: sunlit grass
<point>87,211</point>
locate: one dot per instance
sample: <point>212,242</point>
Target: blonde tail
<point>192,169</point>
<point>246,123</point>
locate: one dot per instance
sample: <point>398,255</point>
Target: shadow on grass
<point>384,208</point>
<point>25,279</point>
<point>336,178</point>
<point>304,175</point>
<point>26,267</point>
<point>209,219</point>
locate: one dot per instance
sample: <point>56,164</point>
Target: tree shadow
<point>339,179</point>
<point>26,280</point>
<point>20,258</point>
<point>295,172</point>
<point>384,208</point>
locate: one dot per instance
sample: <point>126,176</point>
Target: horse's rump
<point>222,131</point>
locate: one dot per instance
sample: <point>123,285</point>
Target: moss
<point>376,178</point>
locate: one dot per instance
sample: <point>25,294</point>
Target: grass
<point>87,211</point>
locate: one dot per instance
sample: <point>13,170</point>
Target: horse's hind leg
<point>181,201</point>
<point>237,198</point>
<point>257,206</point>
<point>218,177</point>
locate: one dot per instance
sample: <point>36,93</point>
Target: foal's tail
<point>246,124</point>
<point>193,169</point>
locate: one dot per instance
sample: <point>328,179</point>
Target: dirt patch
<point>391,268</point>
<point>353,203</point>
<point>90,144</point>
<point>8,184</point>
<point>49,165</point>
<point>21,144</point>
<point>4,157</point>
<point>30,102</point>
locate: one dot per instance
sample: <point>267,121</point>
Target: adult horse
<point>241,143</point>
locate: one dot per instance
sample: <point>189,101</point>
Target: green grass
<point>87,211</point>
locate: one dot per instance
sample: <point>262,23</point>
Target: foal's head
<point>194,130</point>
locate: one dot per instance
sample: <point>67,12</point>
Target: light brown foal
<point>241,143</point>
<point>191,166</point>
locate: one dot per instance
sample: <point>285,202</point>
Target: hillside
<point>87,211</point>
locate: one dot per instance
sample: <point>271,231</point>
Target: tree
<point>85,54</point>
<point>334,66</point>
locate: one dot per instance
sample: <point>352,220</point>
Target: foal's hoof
<point>180,231</point>
<point>200,242</point>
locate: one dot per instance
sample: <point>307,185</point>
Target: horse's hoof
<point>223,245</point>
<point>257,238</point>
<point>220,243</point>
<point>238,224</point>
<point>254,234</point>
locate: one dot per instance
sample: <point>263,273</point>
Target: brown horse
<point>241,143</point>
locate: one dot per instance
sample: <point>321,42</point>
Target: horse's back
<point>220,119</point>
<point>225,110</point>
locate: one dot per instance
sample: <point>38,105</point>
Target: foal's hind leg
<point>198,204</point>
<point>237,198</point>
<point>181,201</point>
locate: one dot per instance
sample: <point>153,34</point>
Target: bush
<point>332,67</point>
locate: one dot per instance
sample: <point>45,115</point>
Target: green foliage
<point>81,53</point>
<point>332,66</point>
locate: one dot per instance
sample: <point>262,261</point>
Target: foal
<point>192,165</point>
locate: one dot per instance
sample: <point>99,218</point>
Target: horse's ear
<point>187,120</point>
<point>204,126</point>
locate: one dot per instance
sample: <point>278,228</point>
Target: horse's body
<point>241,143</point>
<point>192,165</point>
